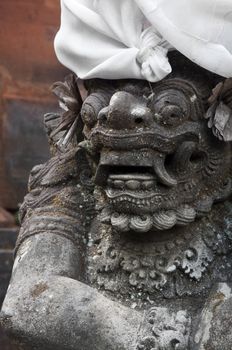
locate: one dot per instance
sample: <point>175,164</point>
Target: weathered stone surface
<point>213,330</point>
<point>7,242</point>
<point>126,233</point>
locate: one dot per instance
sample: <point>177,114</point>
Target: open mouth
<point>133,168</point>
<point>141,195</point>
<point>133,182</point>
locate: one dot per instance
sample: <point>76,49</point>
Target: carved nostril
<point>125,111</point>
<point>139,120</point>
<point>103,115</point>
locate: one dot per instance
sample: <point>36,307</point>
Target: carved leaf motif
<point>168,330</point>
<point>216,92</point>
<point>222,92</point>
<point>57,170</point>
<point>70,101</point>
<point>148,343</point>
<point>68,93</point>
<point>221,122</point>
<point>220,111</point>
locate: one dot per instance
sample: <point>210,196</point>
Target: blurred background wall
<point>28,67</point>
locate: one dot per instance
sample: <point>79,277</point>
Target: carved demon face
<point>159,165</point>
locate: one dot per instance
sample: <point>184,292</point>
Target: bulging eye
<point>170,108</point>
<point>171,114</point>
<point>93,104</point>
<point>88,115</point>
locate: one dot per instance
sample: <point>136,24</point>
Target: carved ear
<point>220,120</point>
<point>219,114</point>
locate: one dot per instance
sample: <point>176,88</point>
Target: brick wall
<point>28,67</point>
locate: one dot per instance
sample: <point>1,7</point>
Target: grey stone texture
<point>126,232</point>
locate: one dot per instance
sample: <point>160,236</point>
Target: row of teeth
<point>137,201</point>
<point>163,220</point>
<point>131,184</point>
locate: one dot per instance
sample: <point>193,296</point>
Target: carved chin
<point>137,204</point>
<point>140,210</point>
<point>162,220</point>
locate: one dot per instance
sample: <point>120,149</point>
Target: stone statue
<point>126,234</point>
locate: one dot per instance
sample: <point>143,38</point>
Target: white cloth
<point>112,39</point>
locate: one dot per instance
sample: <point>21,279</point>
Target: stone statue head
<point>162,156</point>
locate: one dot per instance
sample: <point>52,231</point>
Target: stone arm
<point>47,308</point>
<point>213,325</point>
<point>48,305</point>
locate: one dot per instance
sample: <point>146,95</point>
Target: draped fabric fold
<point>119,39</point>
<point>199,29</point>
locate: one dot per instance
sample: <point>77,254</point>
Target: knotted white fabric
<point>119,39</point>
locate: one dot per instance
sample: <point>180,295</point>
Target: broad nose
<point>125,111</point>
